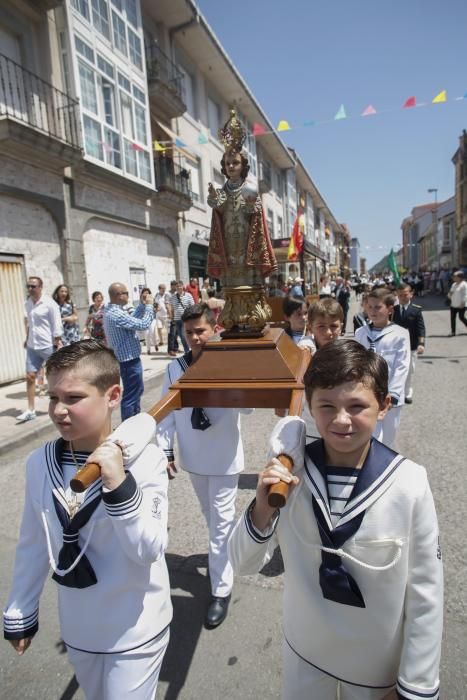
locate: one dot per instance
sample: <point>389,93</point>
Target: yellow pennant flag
<point>158,147</point>
<point>283,125</point>
<point>441,97</point>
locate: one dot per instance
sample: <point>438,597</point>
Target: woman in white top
<point>325,289</point>
<point>458,296</point>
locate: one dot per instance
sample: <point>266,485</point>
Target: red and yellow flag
<point>297,237</point>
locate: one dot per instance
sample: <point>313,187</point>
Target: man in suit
<point>342,293</point>
<point>410,316</point>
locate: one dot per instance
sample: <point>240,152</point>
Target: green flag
<point>392,264</point>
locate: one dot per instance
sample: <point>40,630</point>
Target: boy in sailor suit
<point>211,450</point>
<point>363,595</point>
<point>105,546</point>
<point>393,343</point>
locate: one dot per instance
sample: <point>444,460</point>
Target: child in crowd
<point>410,316</point>
<point>211,451</point>
<point>295,316</point>
<point>363,597</point>
<point>393,343</point>
<point>325,321</point>
<point>361,317</point>
<point>105,546</point>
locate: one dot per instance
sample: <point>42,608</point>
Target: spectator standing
<point>162,299</point>
<point>94,326</point>
<point>205,289</point>
<point>193,289</point>
<point>297,289</point>
<point>343,290</point>
<point>458,296</point>
<point>120,329</point>
<point>44,332</point>
<point>325,289</point>
<point>69,316</point>
<point>179,301</point>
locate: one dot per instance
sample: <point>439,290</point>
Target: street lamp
<point>435,190</point>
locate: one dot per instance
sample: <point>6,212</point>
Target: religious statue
<point>240,252</point>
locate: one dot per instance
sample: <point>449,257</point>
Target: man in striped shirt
<point>179,301</point>
<point>120,330</point>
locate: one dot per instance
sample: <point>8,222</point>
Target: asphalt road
<point>241,659</point>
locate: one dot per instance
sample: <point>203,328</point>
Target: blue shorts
<point>35,359</point>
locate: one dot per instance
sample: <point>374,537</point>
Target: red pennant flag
<point>136,147</point>
<point>258,129</point>
<point>410,102</point>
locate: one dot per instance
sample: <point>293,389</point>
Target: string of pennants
<point>341,114</point>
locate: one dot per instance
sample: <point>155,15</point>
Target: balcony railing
<point>171,176</point>
<point>27,98</point>
<point>160,67</point>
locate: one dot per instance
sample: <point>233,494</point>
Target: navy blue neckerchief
<point>375,476</point>
<point>83,575</point>
<point>199,419</point>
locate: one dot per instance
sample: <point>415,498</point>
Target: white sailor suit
<point>370,615</point>
<point>113,593</point>
<point>213,455</point>
<point>393,343</point>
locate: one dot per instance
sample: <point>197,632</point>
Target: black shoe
<point>408,400</point>
<point>217,611</point>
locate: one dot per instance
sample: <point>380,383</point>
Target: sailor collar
<point>376,475</point>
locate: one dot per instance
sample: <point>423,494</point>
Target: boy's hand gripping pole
<point>287,444</point>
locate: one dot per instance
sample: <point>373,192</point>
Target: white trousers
<point>131,674</point>
<point>408,383</point>
<point>150,335</point>
<point>216,495</point>
<point>387,428</point>
<point>301,680</point>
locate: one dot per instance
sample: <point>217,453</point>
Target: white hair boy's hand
<point>273,473</point>
<point>110,459</point>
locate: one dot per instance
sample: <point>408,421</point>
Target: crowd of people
<point>349,489</point>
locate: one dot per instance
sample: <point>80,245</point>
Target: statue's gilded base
<point>246,312</point>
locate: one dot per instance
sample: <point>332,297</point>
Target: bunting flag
<point>258,129</point>
<point>410,102</point>
<point>392,265</point>
<point>297,237</point>
<point>340,113</point>
<point>368,111</point>
<point>440,97</point>
<point>137,147</point>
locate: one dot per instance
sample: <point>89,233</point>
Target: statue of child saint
<point>240,253</point>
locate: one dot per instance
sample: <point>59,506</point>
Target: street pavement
<point>241,659</point>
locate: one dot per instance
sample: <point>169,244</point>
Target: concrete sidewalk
<point>13,402</point>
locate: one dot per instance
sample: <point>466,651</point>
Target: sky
<point>302,59</point>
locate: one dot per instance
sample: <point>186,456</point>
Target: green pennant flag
<point>392,264</point>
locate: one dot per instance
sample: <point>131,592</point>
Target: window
<point>196,187</point>
<point>270,222</point>
<point>84,49</point>
<point>139,94</point>
<point>92,137</point>
<point>100,17</point>
<point>131,13</point>
<point>108,101</point>
<point>118,4</point>
<point>280,227</point>
<point>127,115</point>
<point>105,67</point>
<point>144,161</point>
<point>112,148</point>
<point>124,82</point>
<point>134,44</point>
<point>188,92</point>
<point>130,159</point>
<point>88,87</point>
<point>214,117</point>
<point>119,33</point>
<point>82,7</point>
<point>140,121</point>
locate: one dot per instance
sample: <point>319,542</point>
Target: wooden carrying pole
<point>255,373</point>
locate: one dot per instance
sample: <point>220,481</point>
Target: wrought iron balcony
<point>173,184</point>
<point>165,82</point>
<point>33,112</point>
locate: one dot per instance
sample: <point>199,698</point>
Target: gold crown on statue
<point>232,134</point>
